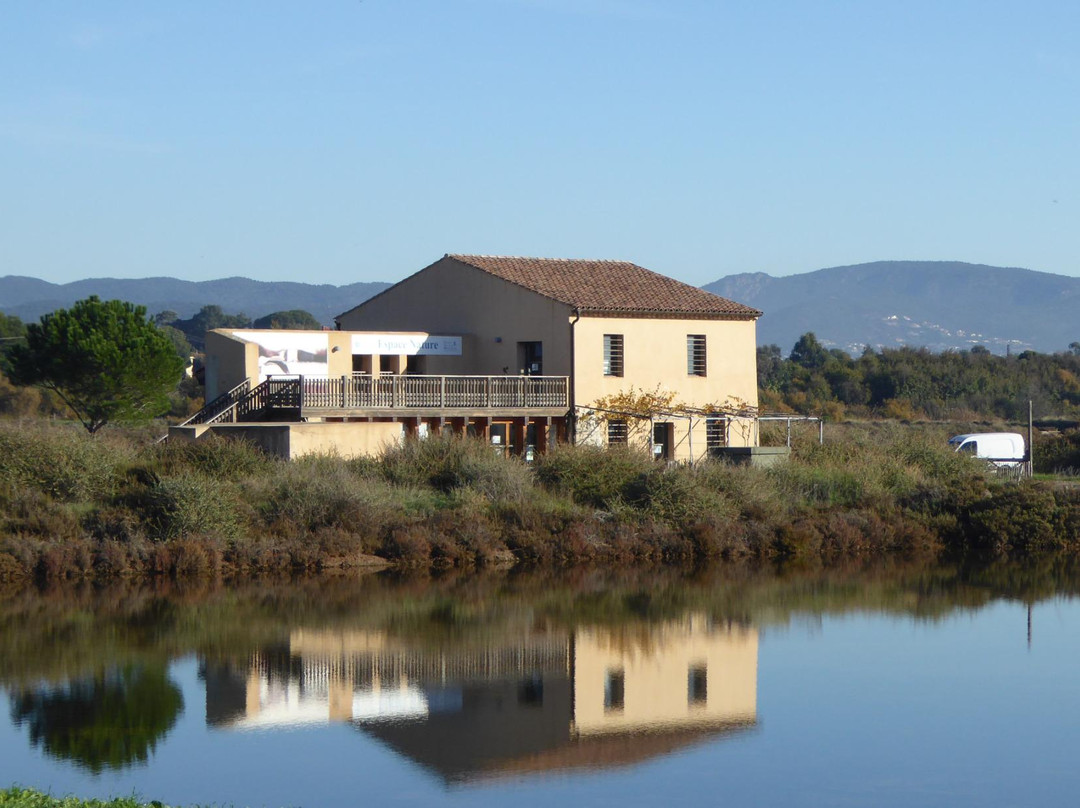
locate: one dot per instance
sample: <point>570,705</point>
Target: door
<point>531,358</point>
<point>663,441</point>
<point>500,437</point>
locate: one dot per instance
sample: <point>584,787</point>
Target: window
<point>614,690</point>
<point>613,354</point>
<point>616,431</point>
<point>715,434</point>
<point>695,354</point>
<point>531,692</point>
<point>697,685</point>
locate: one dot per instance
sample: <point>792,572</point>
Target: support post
<point>1031,442</point>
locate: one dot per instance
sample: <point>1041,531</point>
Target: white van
<point>1005,449</point>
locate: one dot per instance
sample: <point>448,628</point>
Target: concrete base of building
<point>761,456</point>
<point>292,440</point>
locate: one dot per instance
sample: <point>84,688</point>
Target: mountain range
<point>941,305</point>
<point>29,298</point>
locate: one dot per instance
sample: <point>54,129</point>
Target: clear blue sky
<point>347,141</point>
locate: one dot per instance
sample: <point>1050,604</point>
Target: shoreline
<point>120,507</point>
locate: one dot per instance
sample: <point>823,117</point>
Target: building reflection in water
<point>590,698</point>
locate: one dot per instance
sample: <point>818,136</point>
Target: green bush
<point>678,496</point>
<point>593,475</point>
<point>193,504</point>
<point>448,463</point>
<point>321,492</point>
<point>213,455</point>
<point>63,462</point>
<point>1058,453</point>
<point>1024,517</point>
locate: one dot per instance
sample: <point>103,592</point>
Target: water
<point>939,686</point>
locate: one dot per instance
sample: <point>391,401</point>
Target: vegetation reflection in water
<point>471,677</point>
<point>105,721</point>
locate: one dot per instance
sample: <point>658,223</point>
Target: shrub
<point>212,455</point>
<point>62,462</point>
<point>1017,517</point>
<point>677,496</point>
<point>192,504</point>
<point>448,463</point>
<point>322,492</point>
<point>592,475</point>
<point>1058,453</point>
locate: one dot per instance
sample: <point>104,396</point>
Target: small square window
<point>695,355</point>
<point>616,432</point>
<point>613,354</point>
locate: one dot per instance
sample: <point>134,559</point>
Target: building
<point>589,698</point>
<point>519,351</point>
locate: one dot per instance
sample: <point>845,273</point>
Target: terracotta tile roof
<point>607,286</point>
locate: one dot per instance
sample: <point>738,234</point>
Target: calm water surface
<point>911,687</point>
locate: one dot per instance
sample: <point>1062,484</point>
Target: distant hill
<point>936,304</point>
<point>29,298</point>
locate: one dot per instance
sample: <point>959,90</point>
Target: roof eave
<point>750,314</point>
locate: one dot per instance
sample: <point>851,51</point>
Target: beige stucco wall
<point>655,667</point>
<point>228,362</point>
<point>654,357</point>
<point>363,439</point>
<point>449,297</point>
<point>290,441</point>
<point>690,438</point>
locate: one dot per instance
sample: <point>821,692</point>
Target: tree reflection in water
<point>108,721</point>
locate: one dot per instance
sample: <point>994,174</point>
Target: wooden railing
<point>436,392</point>
<point>222,409</point>
<point>283,397</point>
<point>280,396</point>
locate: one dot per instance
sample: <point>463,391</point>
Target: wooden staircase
<point>273,400</point>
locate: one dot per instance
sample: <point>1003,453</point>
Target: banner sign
<point>405,345</point>
<point>289,352</point>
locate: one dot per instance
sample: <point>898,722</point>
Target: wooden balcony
<point>294,398</point>
<point>434,394</point>
<point>431,395</point>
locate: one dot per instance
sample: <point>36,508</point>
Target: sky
<point>336,142</point>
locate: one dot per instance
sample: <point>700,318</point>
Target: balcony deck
<point>435,395</point>
<point>295,398</point>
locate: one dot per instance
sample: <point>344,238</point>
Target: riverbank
<point>119,505</point>
<point>16,797</point>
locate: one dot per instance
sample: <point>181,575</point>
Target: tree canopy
<point>294,318</point>
<point>11,326</point>
<point>104,359</point>
<point>12,332</point>
<point>207,319</point>
<point>915,382</point>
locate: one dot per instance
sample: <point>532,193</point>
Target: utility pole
<point>1031,443</point>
